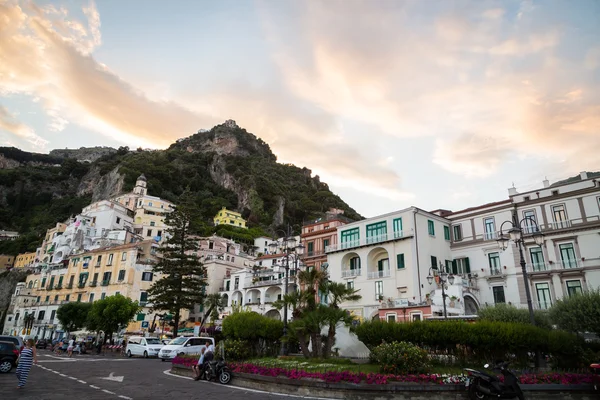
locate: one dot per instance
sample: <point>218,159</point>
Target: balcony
<point>495,272</point>
<point>379,274</point>
<point>69,286</point>
<point>93,284</point>
<point>50,287</point>
<point>59,286</point>
<point>491,235</point>
<point>315,253</point>
<point>105,283</point>
<point>349,273</point>
<point>81,285</point>
<point>538,267</point>
<point>561,224</point>
<point>568,264</point>
<point>367,241</point>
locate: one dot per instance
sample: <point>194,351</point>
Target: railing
<point>366,241</point>
<point>314,253</point>
<point>81,285</point>
<point>567,264</point>
<point>105,283</point>
<point>561,224</point>
<point>379,274</point>
<point>491,235</point>
<point>50,287</point>
<point>93,284</point>
<point>65,301</point>
<point>69,286</point>
<point>269,282</point>
<point>350,273</point>
<point>495,271</point>
<point>58,287</point>
<point>544,305</point>
<point>537,267</point>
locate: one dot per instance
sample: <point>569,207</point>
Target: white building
<point>567,213</point>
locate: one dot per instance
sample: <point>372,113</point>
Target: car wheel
<point>145,354</point>
<point>129,353</point>
<point>5,366</point>
<point>181,354</point>
<point>224,377</point>
<point>163,360</point>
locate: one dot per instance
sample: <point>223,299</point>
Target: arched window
<point>30,284</point>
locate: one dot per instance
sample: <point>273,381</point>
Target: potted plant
<point>428,299</point>
<point>453,301</point>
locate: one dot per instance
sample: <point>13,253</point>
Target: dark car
<point>41,344</point>
<point>14,339</point>
<point>8,356</point>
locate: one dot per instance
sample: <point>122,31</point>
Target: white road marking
<point>94,387</point>
<point>112,377</point>
<point>55,361</point>
<point>108,391</point>
<point>72,377</point>
<point>125,397</point>
<point>63,375</point>
<point>80,381</point>
<point>168,372</point>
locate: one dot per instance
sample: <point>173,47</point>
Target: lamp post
<point>444,277</point>
<point>516,235</point>
<point>288,247</point>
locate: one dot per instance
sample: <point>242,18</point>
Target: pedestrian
<point>71,346</point>
<point>199,366</point>
<point>26,359</point>
<point>209,355</point>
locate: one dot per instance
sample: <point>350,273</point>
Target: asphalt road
<point>84,377</point>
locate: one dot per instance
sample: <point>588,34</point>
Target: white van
<point>143,346</point>
<point>184,345</point>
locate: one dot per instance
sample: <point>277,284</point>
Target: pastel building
<point>25,260</point>
<point>228,217</point>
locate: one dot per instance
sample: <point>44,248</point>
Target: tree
<point>73,316</point>
<point>111,313</point>
<point>183,282</point>
<point>337,293</point>
<point>213,304</point>
<point>509,313</point>
<point>579,313</point>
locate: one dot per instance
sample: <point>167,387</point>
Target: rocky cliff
<point>83,154</point>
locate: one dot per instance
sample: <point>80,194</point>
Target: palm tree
<point>213,304</point>
<point>337,293</point>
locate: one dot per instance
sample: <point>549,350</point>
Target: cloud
<point>9,124</point>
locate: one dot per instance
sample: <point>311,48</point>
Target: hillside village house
<point>228,217</point>
<point>25,260</point>
<point>6,261</point>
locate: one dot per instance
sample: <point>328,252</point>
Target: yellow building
<point>227,217</point>
<point>6,262</point>
<point>24,260</point>
<point>94,275</point>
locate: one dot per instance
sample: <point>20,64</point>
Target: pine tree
<point>183,282</point>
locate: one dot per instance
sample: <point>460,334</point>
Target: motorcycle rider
<point>209,355</point>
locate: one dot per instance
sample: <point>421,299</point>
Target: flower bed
<point>380,379</point>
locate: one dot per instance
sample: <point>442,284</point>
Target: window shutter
<point>454,267</point>
<point>400,260</point>
<point>467,265</point>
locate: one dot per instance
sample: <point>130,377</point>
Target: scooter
<point>218,370</point>
<point>482,385</point>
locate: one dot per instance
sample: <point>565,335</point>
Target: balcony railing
<point>50,287</point>
<point>69,286</point>
<point>350,273</point>
<point>93,284</point>
<point>366,241</point>
<point>81,285</point>
<point>491,235</point>
<point>379,274</point>
<point>560,224</point>
<point>59,286</point>
<point>538,267</point>
<point>105,283</point>
<point>495,271</point>
<point>567,264</point>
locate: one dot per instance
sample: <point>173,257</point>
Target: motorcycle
<point>482,385</point>
<point>218,370</point>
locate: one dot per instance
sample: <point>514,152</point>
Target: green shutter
<point>467,265</point>
<point>380,265</point>
<point>140,317</point>
<point>454,267</point>
<point>400,260</point>
<point>434,262</point>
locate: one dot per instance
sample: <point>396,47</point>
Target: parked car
<point>183,345</point>
<point>143,346</point>
<point>8,356</point>
<point>17,340</point>
<point>41,344</point>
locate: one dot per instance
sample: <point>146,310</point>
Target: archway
<point>273,314</point>
<point>471,305</point>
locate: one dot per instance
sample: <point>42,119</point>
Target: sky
<point>433,103</point>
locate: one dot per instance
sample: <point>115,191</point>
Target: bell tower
<point>140,186</point>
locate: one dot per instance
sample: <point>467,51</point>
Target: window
<point>446,232</point>
<point>355,263</point>
<point>98,261</point>
<point>350,238</point>
<point>95,278</point>
<point>121,275</point>
<point>530,222</point>
<point>147,276</point>
<point>150,203</point>
<point>159,233</point>
<point>416,316</point>
<point>325,244</point>
<point>117,293</point>
<point>574,287</point>
<point>237,283</point>
<point>391,317</point>
<point>310,249</point>
<point>537,259</point>
<point>378,290</point>
<point>383,265</point>
<point>47,299</point>
<point>41,314</point>
<point>52,315</point>
<point>490,229</point>
<point>494,261</point>
<point>152,223</point>
<point>560,217</point>
<point>498,294</point>
<point>227,286</point>
<point>118,220</point>
<point>71,279</point>
<point>400,261</point>
<point>149,233</point>
<point>431,227</point>
<point>434,262</point>
<point>543,294</point>
<point>91,298</point>
<point>79,297</point>
<point>56,298</point>
<point>43,282</point>
<point>567,255</point>
<point>124,256</point>
<point>106,278</point>
<point>102,296</point>
<point>83,278</point>
<point>461,266</point>
<point>68,297</point>
<point>143,298</point>
<point>60,280</point>
<point>350,284</point>
<point>110,259</point>
<point>140,317</point>
<point>397,226</point>
<point>376,232</point>
<point>51,285</point>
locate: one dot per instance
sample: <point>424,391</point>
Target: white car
<point>143,346</point>
<point>183,345</point>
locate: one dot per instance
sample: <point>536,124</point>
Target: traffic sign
<point>145,324</point>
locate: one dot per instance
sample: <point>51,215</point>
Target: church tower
<point>140,186</point>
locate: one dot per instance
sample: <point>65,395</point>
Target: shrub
<point>236,350</point>
<point>579,313</point>
<point>510,313</point>
<point>261,333</point>
<point>400,358</point>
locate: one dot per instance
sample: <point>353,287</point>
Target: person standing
<point>70,347</point>
<point>27,358</point>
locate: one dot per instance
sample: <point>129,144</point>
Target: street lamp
<point>515,233</point>
<point>444,277</point>
<point>288,246</point>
